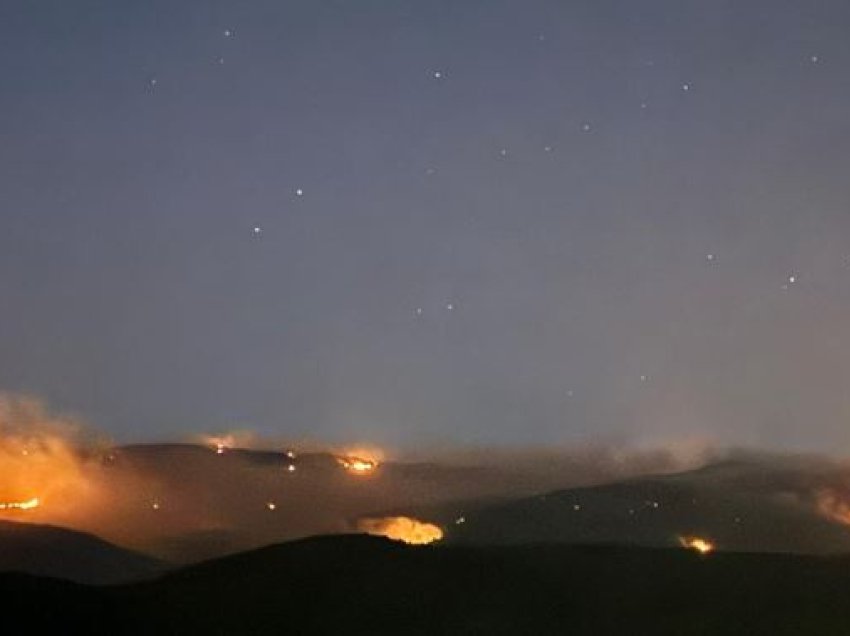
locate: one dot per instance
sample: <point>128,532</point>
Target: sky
<point>425,222</point>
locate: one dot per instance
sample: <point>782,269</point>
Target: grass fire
<point>703,546</point>
<point>405,529</point>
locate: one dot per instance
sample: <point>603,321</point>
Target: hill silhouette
<point>67,554</point>
<point>368,585</point>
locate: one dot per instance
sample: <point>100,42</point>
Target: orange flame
<point>832,506</point>
<point>41,469</point>
<point>703,546</point>
<point>220,443</point>
<point>357,466</point>
<point>404,529</point>
<point>29,504</point>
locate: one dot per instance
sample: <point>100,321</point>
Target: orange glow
<point>703,546</point>
<point>41,470</point>
<point>220,443</point>
<point>357,465</point>
<point>29,504</point>
<point>360,460</point>
<point>404,529</point>
<point>832,506</point>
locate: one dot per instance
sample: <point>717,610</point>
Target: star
<point>450,306</point>
<point>585,127</point>
<point>709,257</point>
<point>547,148</point>
<point>792,279</point>
<point>419,311</point>
<point>686,87</point>
<point>257,230</point>
<point>814,59</point>
<point>503,152</point>
<point>228,33</point>
<point>437,74</point>
<point>299,192</point>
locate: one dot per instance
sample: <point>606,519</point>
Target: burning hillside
<point>41,471</point>
<point>411,531</point>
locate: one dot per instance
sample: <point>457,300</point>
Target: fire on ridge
<point>405,529</point>
<point>357,465</point>
<point>28,504</point>
<point>699,544</point>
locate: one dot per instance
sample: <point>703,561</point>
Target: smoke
<point>40,464</point>
<point>404,529</point>
<point>185,502</point>
<point>228,440</point>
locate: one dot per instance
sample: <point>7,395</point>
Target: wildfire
<point>361,459</point>
<point>41,470</point>
<point>220,443</point>
<point>404,529</point>
<point>832,506</point>
<point>29,504</point>
<point>703,546</point>
<point>357,465</point>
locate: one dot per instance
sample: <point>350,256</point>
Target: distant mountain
<point>209,504</point>
<point>67,554</point>
<point>367,585</point>
<point>744,506</point>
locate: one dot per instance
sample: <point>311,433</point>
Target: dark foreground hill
<point>367,585</point>
<point>67,554</point>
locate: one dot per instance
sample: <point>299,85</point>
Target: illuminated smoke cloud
<point>404,529</point>
<point>703,546</point>
<point>43,476</point>
<point>223,442</point>
<point>833,506</point>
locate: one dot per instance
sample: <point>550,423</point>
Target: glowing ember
<point>833,506</point>
<point>357,466</point>
<point>220,443</point>
<point>41,470</point>
<point>404,529</point>
<point>29,504</point>
<point>703,546</point>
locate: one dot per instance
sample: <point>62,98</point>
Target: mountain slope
<point>67,554</point>
<point>739,506</point>
<point>367,585</point>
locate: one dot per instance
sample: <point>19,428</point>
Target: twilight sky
<point>427,221</point>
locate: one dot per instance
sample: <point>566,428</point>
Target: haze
<point>430,223</point>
